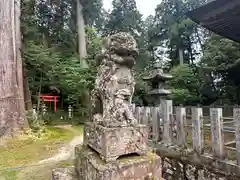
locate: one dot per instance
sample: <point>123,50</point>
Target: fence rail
<point>188,127</point>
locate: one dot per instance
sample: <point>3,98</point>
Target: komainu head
<point>122,44</point>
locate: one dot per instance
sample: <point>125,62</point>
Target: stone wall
<point>177,170</point>
<point>186,164</point>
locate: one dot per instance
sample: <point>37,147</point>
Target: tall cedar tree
<point>12,112</point>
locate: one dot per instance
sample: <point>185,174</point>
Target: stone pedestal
<point>111,143</point>
<point>67,173</point>
<point>90,167</point>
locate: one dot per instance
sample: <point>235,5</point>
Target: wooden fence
<point>189,127</point>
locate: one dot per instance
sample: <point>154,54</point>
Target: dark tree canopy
<point>50,49</point>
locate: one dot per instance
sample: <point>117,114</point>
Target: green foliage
<point>92,11</point>
<point>35,123</point>
<point>141,90</point>
<point>221,54</point>
<point>52,62</point>
<point>185,85</point>
<point>222,59</point>
<point>172,29</point>
<point>184,77</point>
<point>124,17</point>
<point>47,68</point>
<point>50,49</point>
<point>9,174</point>
<point>182,96</point>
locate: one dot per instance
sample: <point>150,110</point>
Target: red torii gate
<point>49,98</point>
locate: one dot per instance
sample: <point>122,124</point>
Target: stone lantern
<point>157,80</point>
<point>160,94</point>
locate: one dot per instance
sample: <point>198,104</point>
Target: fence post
<point>236,117</point>
<point>137,113</point>
<point>160,119</point>
<point>141,115</point>
<point>216,130</point>
<point>146,112</point>
<point>150,122</point>
<point>155,124</point>
<point>197,136</point>
<point>166,106</point>
<point>180,118</point>
<point>149,118</point>
<point>133,108</point>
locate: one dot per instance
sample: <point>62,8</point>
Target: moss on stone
<point>131,159</point>
<point>122,166</point>
<point>151,155</point>
<point>83,152</point>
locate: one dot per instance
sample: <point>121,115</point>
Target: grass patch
<point>25,150</point>
<point>78,130</point>
<point>9,175</point>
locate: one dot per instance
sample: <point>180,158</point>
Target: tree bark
<point>199,39</point>
<point>27,93</point>
<point>82,45</point>
<point>17,7</point>
<point>12,113</point>
<point>181,59</point>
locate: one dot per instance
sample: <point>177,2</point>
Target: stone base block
<point>67,173</point>
<point>90,167</point>
<point>111,143</point>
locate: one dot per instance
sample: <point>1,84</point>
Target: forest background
<point>61,39</point>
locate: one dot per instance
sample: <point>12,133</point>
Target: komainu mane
<point>114,86</point>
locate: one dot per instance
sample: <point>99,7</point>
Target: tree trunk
<point>27,94</point>
<point>82,48</point>
<point>82,45</point>
<point>12,113</point>
<point>19,63</point>
<point>199,39</point>
<point>190,51</point>
<point>180,53</point>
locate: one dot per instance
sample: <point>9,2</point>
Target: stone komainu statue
<point>111,134</point>
<point>114,86</point>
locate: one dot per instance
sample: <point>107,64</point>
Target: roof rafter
<point>219,16</point>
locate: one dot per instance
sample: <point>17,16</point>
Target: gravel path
<point>66,152</point>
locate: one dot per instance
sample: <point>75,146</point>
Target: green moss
<point>83,151</point>
<point>30,149</point>
<point>9,175</point>
<point>151,155</point>
<point>26,150</point>
<point>130,159</point>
